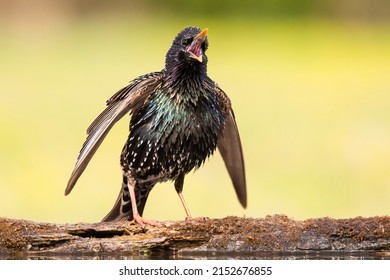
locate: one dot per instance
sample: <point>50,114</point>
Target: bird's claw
<point>197,219</point>
<point>143,222</point>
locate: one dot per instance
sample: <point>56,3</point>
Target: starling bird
<point>179,116</point>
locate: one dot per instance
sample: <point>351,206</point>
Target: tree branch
<point>229,235</point>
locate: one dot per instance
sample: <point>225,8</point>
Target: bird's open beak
<point>195,49</point>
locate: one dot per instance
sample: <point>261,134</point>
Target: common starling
<point>179,116</point>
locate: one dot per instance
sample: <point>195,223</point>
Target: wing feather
<point>229,145</point>
<point>117,106</point>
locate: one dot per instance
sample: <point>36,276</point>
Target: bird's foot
<point>143,222</point>
<point>197,219</point>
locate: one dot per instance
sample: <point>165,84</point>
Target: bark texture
<point>213,237</point>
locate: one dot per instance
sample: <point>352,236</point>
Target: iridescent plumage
<point>178,118</point>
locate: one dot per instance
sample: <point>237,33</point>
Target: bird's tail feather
<point>122,209</point>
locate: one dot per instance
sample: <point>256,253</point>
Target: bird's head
<point>188,49</point>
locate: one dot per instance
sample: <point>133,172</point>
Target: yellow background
<point>311,97</point>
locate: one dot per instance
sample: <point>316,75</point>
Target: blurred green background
<point>309,82</point>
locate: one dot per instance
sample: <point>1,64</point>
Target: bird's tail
<point>122,210</point>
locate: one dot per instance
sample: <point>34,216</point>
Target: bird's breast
<point>170,135</point>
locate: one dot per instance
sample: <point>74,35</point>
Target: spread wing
<point>229,145</point>
<point>117,106</point>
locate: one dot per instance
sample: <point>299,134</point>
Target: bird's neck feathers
<point>185,76</point>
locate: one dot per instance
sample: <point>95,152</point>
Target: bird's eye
<point>187,41</point>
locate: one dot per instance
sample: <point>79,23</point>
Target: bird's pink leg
<point>137,219</point>
<point>188,213</point>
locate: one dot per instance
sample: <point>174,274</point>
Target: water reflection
<point>173,255</point>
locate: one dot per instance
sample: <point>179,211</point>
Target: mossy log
<point>230,235</point>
